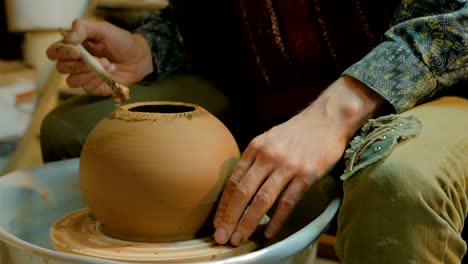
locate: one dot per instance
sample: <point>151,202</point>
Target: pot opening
<point>165,109</point>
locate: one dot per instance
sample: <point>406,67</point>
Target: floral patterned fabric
<point>424,52</point>
<point>165,41</point>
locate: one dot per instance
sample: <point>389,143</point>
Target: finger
<point>60,51</point>
<point>104,90</point>
<point>80,79</point>
<point>253,148</point>
<point>237,174</point>
<point>80,31</point>
<point>248,157</point>
<point>79,66</point>
<point>70,67</point>
<point>91,86</point>
<point>286,204</point>
<point>261,203</point>
<point>238,192</point>
<point>111,68</point>
<point>101,90</point>
<point>104,62</point>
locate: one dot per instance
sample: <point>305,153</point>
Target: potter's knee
<point>59,139</point>
<point>395,178</point>
<point>51,126</point>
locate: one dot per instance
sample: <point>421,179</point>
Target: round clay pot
<point>153,171</point>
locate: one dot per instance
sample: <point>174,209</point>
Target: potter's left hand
<point>289,159</point>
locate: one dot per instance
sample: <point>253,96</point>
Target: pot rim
<point>124,112</point>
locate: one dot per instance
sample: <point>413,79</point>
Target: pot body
<point>154,171</point>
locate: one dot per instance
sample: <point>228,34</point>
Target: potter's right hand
<point>126,56</point>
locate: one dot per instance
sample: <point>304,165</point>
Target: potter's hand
<point>126,56</point>
<point>285,161</point>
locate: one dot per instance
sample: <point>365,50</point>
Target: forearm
<point>346,105</point>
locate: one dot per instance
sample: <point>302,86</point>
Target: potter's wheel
<point>32,200</point>
<point>80,233</point>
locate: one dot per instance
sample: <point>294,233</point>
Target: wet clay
<point>80,233</point>
<point>153,171</point>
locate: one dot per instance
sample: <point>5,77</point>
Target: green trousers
<point>409,206</point>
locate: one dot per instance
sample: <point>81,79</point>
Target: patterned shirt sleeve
<point>165,41</point>
<point>425,51</point>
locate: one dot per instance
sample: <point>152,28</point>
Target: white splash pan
<point>32,200</point>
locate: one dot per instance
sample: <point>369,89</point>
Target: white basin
<point>32,200</point>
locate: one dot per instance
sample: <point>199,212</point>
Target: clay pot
<point>153,171</point>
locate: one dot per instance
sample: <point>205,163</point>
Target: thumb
<point>81,30</point>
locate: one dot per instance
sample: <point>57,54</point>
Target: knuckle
<point>306,177</point>
<point>257,143</point>
<point>287,202</point>
<point>292,166</point>
<point>111,68</point>
<point>243,191</point>
<point>274,153</point>
<point>104,61</point>
<point>304,182</point>
<point>263,200</point>
<point>233,181</point>
<point>241,166</point>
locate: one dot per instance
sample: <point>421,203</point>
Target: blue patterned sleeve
<point>426,50</point>
<point>165,41</point>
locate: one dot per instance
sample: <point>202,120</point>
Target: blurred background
<point>29,85</point>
